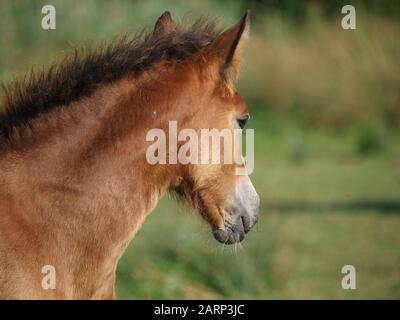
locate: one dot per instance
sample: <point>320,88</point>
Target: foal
<point>75,183</point>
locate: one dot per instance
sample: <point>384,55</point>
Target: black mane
<point>82,71</point>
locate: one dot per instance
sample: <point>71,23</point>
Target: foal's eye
<point>242,121</point>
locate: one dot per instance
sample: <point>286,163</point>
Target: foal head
<point>227,200</point>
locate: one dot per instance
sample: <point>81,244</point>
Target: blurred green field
<point>325,106</point>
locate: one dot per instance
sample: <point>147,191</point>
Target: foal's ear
<point>228,46</point>
<point>164,25</point>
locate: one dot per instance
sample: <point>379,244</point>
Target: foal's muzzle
<point>241,216</point>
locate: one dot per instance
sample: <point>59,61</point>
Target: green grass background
<point>325,107</point>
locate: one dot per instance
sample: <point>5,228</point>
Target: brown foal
<point>75,181</point>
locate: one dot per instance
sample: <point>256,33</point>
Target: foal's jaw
<point>240,216</point>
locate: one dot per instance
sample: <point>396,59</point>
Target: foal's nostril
<point>246,223</point>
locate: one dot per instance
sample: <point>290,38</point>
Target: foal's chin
<point>229,235</point>
<point>235,228</point>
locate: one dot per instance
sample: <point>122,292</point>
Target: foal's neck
<point>91,182</point>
